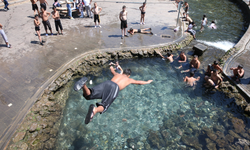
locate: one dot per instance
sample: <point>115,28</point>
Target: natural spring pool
<point>165,114</point>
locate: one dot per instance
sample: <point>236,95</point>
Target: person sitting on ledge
<point>190,29</point>
<point>215,80</point>
<point>210,67</point>
<point>238,72</point>
<point>107,91</point>
<point>144,31</point>
<point>191,80</point>
<point>169,56</point>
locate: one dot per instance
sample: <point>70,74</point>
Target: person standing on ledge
<point>123,18</point>
<point>143,12</point>
<point>107,91</point>
<point>43,4</point>
<point>4,36</point>
<point>34,6</point>
<point>45,17</point>
<point>58,24</point>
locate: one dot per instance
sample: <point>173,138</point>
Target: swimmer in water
<point>169,56</point>
<point>203,22</point>
<point>213,25</point>
<point>117,67</point>
<point>107,91</point>
<point>191,81</point>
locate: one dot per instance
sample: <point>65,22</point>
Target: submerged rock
<point>210,145</point>
<point>155,140</point>
<point>238,125</point>
<point>191,141</point>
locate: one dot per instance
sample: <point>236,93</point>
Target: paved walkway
<point>27,65</point>
<point>242,57</point>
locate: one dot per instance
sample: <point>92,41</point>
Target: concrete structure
<point>199,49</point>
<point>240,54</point>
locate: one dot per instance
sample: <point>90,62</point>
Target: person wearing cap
<point>238,72</point>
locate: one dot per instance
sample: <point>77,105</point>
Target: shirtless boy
<point>214,80</point>
<point>123,18</point>
<point>107,91</point>
<point>186,8</point>
<point>169,56</point>
<point>34,6</point>
<point>143,12</point>
<point>45,17</point>
<point>37,28</point>
<point>238,72</point>
<point>144,31</point>
<point>43,4</point>
<point>96,10</point>
<point>191,80</point>
<point>182,59</point>
<point>56,16</point>
<point>194,65</point>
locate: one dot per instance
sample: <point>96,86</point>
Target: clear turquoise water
<point>166,104</point>
<point>230,21</point>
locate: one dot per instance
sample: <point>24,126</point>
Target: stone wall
<point>40,127</point>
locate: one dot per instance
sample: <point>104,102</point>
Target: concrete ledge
<point>238,49</point>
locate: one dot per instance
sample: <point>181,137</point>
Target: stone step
<point>199,49</point>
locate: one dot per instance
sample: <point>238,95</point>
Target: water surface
<point>166,110</point>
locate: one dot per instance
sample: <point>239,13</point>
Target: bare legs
<point>124,32</point>
<point>142,18</point>
<point>39,36</point>
<point>87,92</point>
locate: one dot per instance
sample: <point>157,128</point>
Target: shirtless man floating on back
<point>107,91</point>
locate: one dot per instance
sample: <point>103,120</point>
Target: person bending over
<point>169,56</point>
<point>107,91</point>
<point>143,31</point>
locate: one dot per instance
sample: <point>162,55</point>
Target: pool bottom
<point>164,114</point>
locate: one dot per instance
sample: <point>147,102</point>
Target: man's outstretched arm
<point>140,82</point>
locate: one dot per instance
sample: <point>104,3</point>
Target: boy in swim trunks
<point>34,6</point>
<point>43,4</point>
<point>214,80</point>
<point>123,18</point>
<point>144,31</point>
<point>4,36</point>
<point>186,8</point>
<point>96,10</point>
<point>45,17</point>
<point>143,12</point>
<point>191,80</point>
<point>238,72</point>
<point>56,16</point>
<point>107,91</point>
<point>37,28</point>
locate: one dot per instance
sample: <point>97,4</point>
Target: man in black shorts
<point>34,6</point>
<point>123,18</point>
<point>45,17</point>
<point>107,91</point>
<point>43,4</point>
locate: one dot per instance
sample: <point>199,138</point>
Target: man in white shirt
<point>87,4</point>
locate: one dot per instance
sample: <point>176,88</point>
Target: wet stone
<point>221,143</point>
<point>33,127</point>
<point>238,125</point>
<point>210,145</point>
<point>235,135</point>
<point>191,141</point>
<point>134,52</point>
<point>19,136</point>
<point>229,138</point>
<point>199,49</point>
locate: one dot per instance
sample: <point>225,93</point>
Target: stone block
<point>199,49</point>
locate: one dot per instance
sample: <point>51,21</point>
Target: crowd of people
<point>191,23</point>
